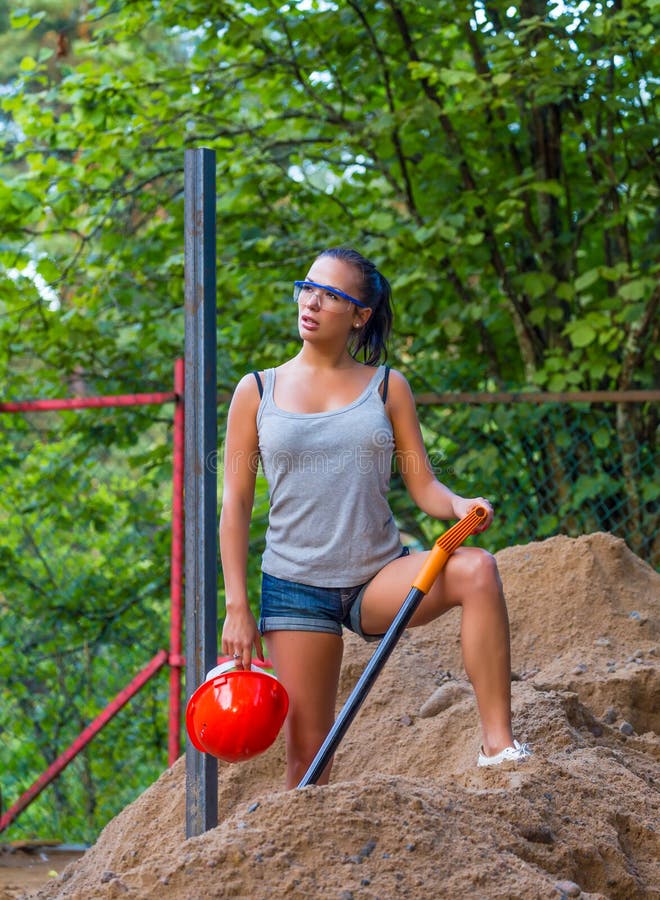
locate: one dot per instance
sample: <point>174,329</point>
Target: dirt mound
<point>408,814</point>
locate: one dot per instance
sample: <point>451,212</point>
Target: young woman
<point>325,427</point>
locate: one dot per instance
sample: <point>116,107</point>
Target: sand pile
<point>408,814</point>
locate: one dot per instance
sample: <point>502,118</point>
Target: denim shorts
<point>289,606</point>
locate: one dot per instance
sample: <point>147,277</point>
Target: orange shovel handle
<point>445,546</point>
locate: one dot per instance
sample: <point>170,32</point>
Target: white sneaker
<point>517,753</point>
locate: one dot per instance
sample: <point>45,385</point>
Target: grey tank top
<point>328,474</point>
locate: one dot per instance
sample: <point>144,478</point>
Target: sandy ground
<point>408,814</point>
<point>26,866</point>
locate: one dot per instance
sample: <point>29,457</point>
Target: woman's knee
<point>483,566</point>
<point>473,572</point>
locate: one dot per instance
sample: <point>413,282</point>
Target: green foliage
<point>497,161</point>
<point>500,169</point>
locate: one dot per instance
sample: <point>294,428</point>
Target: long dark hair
<point>371,339</point>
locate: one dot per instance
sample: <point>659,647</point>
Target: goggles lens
<point>329,298</point>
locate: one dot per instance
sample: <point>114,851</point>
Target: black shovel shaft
<point>363,686</point>
<point>433,564</point>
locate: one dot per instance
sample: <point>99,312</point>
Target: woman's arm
<point>429,494</point>
<point>241,457</point>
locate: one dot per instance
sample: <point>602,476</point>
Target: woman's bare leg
<point>470,580</point>
<point>308,664</point>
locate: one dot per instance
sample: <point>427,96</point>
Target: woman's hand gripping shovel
<point>440,553</point>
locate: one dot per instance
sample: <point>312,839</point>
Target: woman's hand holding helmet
<point>240,635</point>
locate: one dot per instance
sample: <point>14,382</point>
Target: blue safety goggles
<point>328,296</point>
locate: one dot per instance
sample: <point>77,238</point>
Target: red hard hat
<point>236,714</point>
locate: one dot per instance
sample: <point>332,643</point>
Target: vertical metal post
<point>176,659</point>
<point>200,479</point>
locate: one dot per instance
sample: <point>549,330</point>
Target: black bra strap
<point>259,384</point>
<point>386,378</point>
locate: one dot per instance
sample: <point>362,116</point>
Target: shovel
<point>440,553</point>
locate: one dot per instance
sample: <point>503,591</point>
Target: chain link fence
<point>548,468</point>
<point>85,510</point>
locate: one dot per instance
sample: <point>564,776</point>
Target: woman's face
<point>315,317</point>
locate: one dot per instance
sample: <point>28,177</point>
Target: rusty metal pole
<point>200,467</point>
<point>176,570</point>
